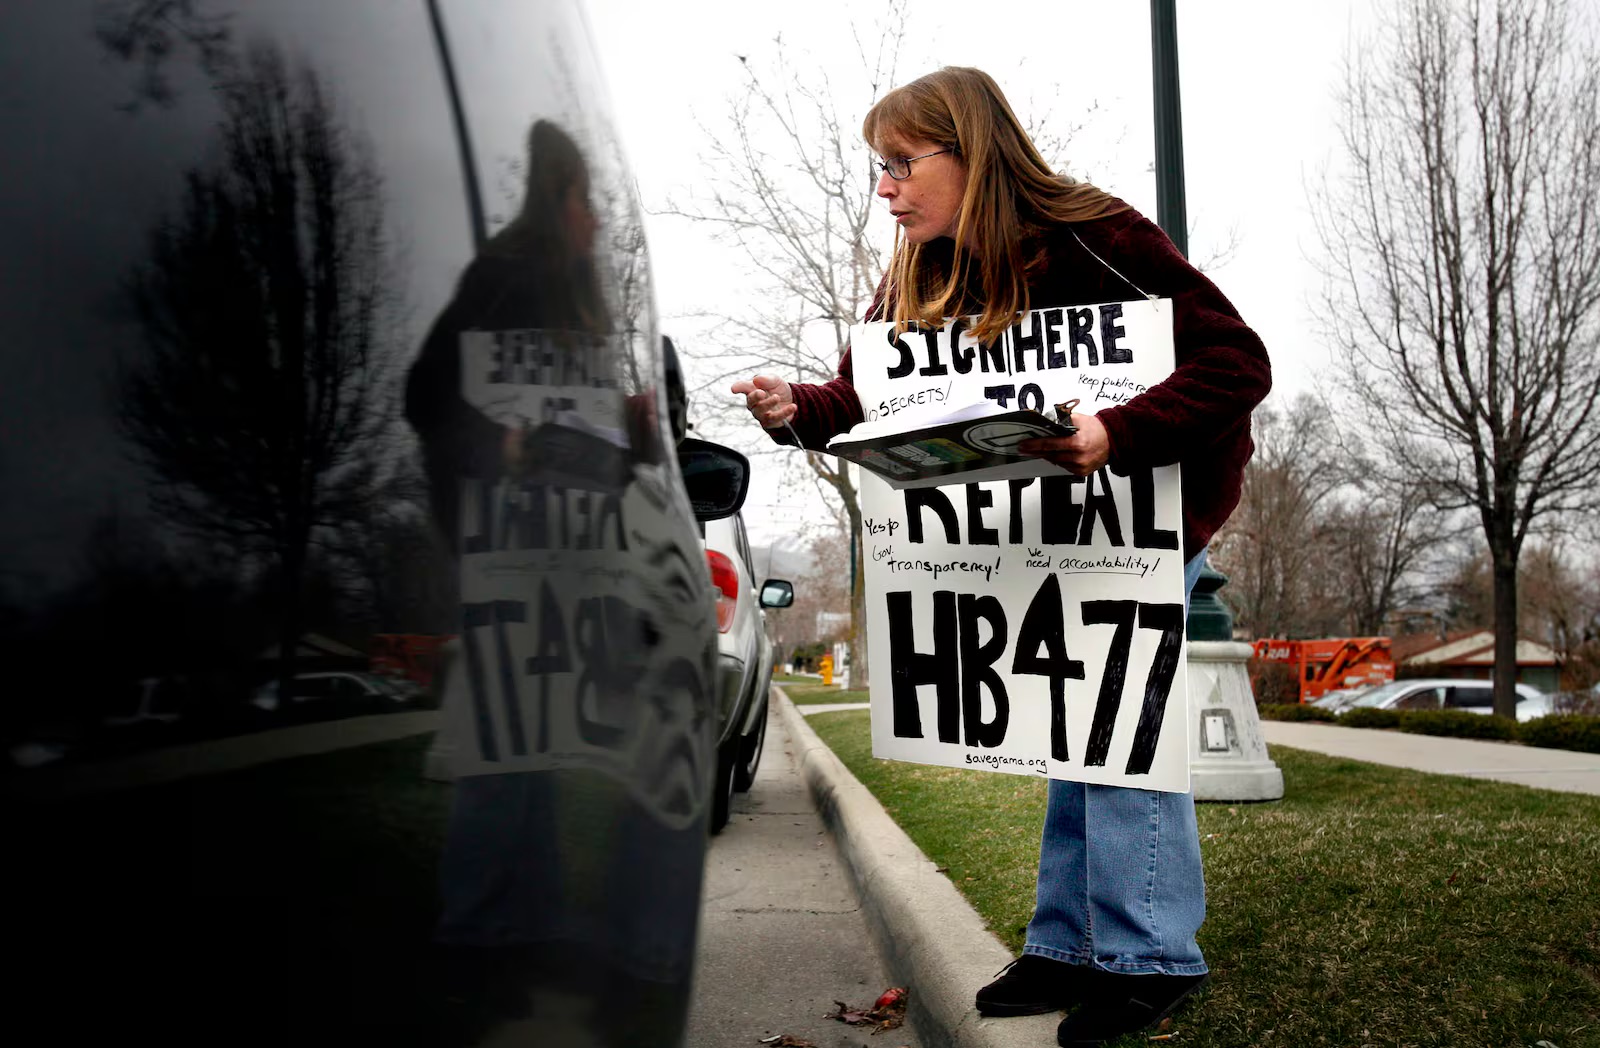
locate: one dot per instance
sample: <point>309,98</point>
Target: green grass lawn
<point>815,694</point>
<point>1371,906</point>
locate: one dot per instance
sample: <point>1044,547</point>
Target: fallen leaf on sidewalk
<point>888,1012</point>
<point>846,1014</point>
<point>784,1040</point>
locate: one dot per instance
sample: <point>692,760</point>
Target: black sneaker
<point>1033,985</point>
<point>1120,1003</point>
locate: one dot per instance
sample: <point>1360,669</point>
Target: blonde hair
<point>1011,195</point>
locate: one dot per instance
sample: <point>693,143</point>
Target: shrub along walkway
<point>1546,769</point>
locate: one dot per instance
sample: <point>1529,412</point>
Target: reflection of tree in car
<point>260,420</point>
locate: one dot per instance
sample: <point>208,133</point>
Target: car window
<point>1423,699</point>
<point>311,687</point>
<point>1470,697</point>
<point>1376,697</point>
<point>743,539</point>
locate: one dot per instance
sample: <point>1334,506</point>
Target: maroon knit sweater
<point>1199,417</point>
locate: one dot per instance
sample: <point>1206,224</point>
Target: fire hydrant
<point>827,669</point>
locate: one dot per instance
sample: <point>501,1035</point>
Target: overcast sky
<point>1258,87</point>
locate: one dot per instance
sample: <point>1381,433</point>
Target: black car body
<point>334,320</point>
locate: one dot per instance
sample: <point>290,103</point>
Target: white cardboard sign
<point>1036,625</point>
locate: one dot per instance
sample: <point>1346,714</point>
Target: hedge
<point>1555,732</point>
<point>1296,712</point>
<point>1457,724</point>
<point>1562,732</point>
<point>1367,717</point>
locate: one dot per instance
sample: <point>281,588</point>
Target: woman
<point>985,228</point>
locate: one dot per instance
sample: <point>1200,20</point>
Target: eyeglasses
<point>899,167</point>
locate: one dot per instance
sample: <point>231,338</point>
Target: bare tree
<point>1463,251</point>
<point>791,190</point>
<point>1270,547</point>
<point>1378,540</point>
<point>389,564</point>
<point>264,393</point>
<point>150,33</point>
<point>820,571</point>
<point>1322,544</point>
<point>1559,598</point>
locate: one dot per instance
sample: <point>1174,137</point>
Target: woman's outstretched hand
<point>1082,453</point>
<point>769,399</point>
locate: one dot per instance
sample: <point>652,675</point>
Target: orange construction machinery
<point>411,655</point>
<point>1328,665</point>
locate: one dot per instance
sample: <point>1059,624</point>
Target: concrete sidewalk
<point>783,933</point>
<point>1562,770</point>
<point>930,938</point>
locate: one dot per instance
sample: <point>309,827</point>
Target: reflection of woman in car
<point>559,869</point>
<point>536,274</point>
<point>500,872</point>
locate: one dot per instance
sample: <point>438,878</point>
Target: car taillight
<point>725,577</point>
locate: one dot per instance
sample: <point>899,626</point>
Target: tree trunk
<point>1505,635</point>
<point>860,676</point>
<point>291,566</point>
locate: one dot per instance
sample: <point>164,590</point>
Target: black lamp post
<point>1170,212</point>
<point>1209,618</point>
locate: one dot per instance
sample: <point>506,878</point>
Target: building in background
<point>1469,655</point>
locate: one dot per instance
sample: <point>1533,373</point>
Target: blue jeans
<point>1120,884</point>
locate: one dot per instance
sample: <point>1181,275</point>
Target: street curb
<point>931,940</point>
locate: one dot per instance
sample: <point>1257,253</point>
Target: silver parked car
<point>1442,693</point>
<point>744,655</point>
<point>1343,698</point>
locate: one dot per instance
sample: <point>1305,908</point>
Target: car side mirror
<point>777,593</point>
<point>717,478</point>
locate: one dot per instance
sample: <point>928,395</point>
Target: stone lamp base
<point>1227,756</point>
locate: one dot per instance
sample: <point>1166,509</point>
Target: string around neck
<point>1109,266</point>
